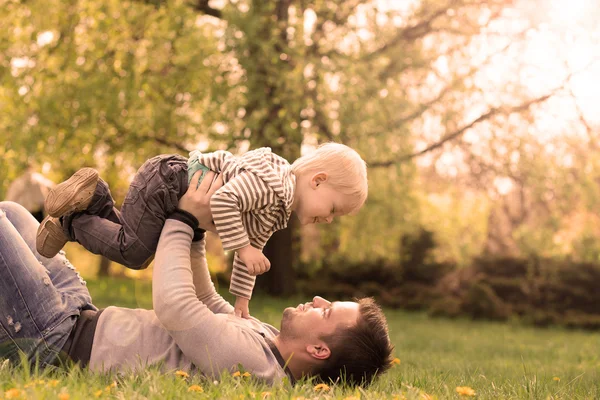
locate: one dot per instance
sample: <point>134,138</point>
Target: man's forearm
<point>205,289</point>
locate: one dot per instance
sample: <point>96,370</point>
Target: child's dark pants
<point>130,237</point>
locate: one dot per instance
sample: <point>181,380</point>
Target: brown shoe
<point>50,237</point>
<point>72,195</point>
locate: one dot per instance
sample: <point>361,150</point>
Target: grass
<point>496,360</point>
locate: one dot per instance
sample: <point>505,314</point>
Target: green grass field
<point>498,361</point>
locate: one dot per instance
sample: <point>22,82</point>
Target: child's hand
<point>255,260</point>
<point>241,307</point>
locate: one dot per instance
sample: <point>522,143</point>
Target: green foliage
<point>106,84</point>
<point>109,84</point>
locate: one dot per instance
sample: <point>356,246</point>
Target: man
<point>47,313</point>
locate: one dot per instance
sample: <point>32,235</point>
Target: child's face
<point>316,201</point>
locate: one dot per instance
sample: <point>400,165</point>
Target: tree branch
<point>202,6</point>
<point>407,34</point>
<point>198,5</point>
<point>146,137</point>
<point>453,135</point>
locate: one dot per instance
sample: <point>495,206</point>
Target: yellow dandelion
<point>321,387</point>
<point>182,374</point>
<point>111,386</point>
<point>556,379</point>
<point>352,398</point>
<point>195,388</point>
<point>236,373</point>
<point>399,397</point>
<point>264,395</point>
<point>13,393</point>
<point>396,361</point>
<point>98,393</point>
<point>53,382</point>
<point>63,396</point>
<point>465,391</point>
<point>246,374</point>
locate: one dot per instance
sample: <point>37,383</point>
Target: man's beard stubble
<point>287,331</point>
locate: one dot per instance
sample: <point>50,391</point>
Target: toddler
<point>260,191</point>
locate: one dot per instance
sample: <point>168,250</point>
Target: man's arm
<point>205,288</point>
<point>196,201</point>
<point>211,341</point>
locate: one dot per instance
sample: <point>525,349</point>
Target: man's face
<point>317,318</point>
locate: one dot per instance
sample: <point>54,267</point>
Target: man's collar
<point>279,358</point>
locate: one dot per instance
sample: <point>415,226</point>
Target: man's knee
<point>14,211</point>
<point>12,207</point>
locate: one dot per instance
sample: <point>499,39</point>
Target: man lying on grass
<point>46,312</point>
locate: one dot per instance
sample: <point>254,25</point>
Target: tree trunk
<point>281,250</point>
<point>104,267</point>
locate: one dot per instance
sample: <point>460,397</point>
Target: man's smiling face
<point>317,319</point>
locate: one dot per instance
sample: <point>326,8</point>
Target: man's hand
<point>196,201</point>
<point>255,260</point>
<point>241,307</point>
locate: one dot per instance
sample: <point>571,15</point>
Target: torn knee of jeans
<point>47,281</point>
<point>16,325</point>
<point>68,264</point>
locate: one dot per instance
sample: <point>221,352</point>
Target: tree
<point>110,84</point>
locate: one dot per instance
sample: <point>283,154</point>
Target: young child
<point>260,191</point>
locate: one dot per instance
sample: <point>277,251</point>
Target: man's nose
<point>328,219</point>
<point>318,302</point>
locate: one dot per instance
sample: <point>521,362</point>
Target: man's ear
<point>318,178</point>
<point>319,351</point>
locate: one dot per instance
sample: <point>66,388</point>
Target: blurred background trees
<point>476,117</point>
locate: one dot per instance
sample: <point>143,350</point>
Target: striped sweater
<point>254,202</point>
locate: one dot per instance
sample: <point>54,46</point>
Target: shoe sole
<point>50,238</point>
<point>72,195</point>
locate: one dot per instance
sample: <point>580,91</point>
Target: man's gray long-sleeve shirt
<point>191,327</point>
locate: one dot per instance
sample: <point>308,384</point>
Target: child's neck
<point>296,192</point>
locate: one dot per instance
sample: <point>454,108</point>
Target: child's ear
<point>317,179</point>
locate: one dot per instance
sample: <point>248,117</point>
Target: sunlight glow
<point>563,12</point>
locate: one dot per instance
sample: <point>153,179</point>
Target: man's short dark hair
<point>359,352</point>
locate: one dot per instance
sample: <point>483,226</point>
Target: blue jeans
<point>40,298</point>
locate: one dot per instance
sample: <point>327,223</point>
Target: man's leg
<point>40,298</point>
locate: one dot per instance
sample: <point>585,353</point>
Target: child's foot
<point>50,237</point>
<point>72,195</point>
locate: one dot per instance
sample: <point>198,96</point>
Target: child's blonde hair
<point>347,172</point>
